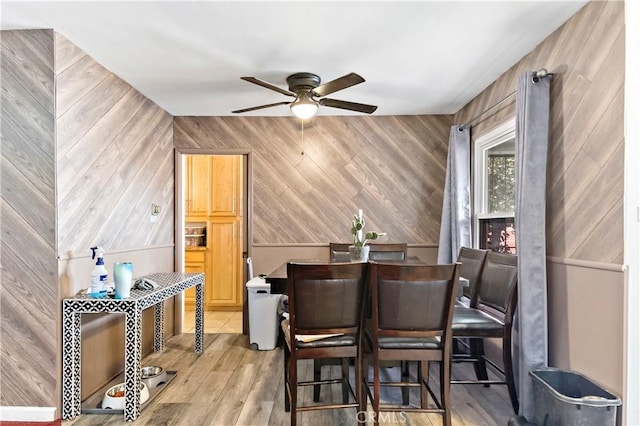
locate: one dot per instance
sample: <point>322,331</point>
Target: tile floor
<point>215,322</point>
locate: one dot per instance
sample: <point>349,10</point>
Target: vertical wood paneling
<point>28,293</point>
<point>584,180</point>
<point>306,189</point>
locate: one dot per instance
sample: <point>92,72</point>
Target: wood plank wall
<point>29,293</point>
<point>305,190</point>
<point>81,146</point>
<point>586,161</point>
<point>114,159</point>
<point>584,186</point>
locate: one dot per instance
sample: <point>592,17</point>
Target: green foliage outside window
<point>501,183</point>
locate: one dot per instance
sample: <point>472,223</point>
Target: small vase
<point>359,254</point>
<point>122,277</point>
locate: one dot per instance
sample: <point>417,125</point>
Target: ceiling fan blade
<point>238,111</point>
<point>339,83</point>
<point>353,106</point>
<point>267,85</point>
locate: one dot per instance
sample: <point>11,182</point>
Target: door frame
<point>179,217</point>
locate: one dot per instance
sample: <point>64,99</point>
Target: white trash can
<point>263,314</point>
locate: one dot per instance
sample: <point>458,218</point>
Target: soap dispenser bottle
<point>99,275</point>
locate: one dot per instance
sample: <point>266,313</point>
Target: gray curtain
<point>455,225</point>
<point>532,136</point>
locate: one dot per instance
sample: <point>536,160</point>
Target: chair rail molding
<point>613,267</point>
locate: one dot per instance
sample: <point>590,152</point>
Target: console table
<point>169,285</point>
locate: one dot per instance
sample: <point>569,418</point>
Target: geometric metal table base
<point>169,284</point>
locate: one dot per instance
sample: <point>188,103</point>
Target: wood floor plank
<point>261,400</point>
<point>227,408</point>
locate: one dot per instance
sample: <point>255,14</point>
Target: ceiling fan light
<point>304,107</point>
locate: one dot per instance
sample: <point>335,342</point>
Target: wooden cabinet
<point>198,178</point>
<point>213,194</point>
<point>225,185</point>
<point>195,260</point>
<point>225,278</point>
<point>213,186</point>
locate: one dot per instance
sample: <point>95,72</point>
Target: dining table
<point>278,278</point>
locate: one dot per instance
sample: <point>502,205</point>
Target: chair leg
<point>287,358</point>
<point>477,352</point>
<point>345,380</point>
<point>423,379</point>
<point>376,388</point>
<point>456,346</point>
<point>362,377</point>
<point>508,372</point>
<point>317,369</point>
<point>357,366</point>
<point>445,388</point>
<point>404,367</point>
<point>293,386</point>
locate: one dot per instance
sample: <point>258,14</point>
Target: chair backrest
<point>382,252</point>
<point>498,283</point>
<point>412,300</point>
<point>339,252</point>
<point>325,298</point>
<point>471,262</point>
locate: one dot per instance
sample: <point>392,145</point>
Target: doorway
<point>212,230</point>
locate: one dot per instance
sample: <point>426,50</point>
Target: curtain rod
<point>541,73</point>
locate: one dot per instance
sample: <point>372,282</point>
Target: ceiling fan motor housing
<point>303,81</point>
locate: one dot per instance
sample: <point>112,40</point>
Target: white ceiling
<point>418,57</point>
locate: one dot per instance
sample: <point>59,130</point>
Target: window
<point>494,189</point>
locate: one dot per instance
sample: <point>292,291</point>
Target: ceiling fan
<point>305,87</point>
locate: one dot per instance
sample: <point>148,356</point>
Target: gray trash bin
<point>568,398</point>
<point>263,314</point>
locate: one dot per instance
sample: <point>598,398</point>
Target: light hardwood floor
<point>230,384</point>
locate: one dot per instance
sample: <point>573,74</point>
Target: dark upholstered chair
<point>471,262</point>
<point>339,252</point>
<point>323,299</point>
<point>490,315</point>
<point>378,252</point>
<point>412,309</point>
<point>387,252</point>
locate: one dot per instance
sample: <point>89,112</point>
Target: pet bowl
<point>114,396</point>
<point>153,376</point>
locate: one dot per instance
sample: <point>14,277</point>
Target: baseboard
<point>27,414</point>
